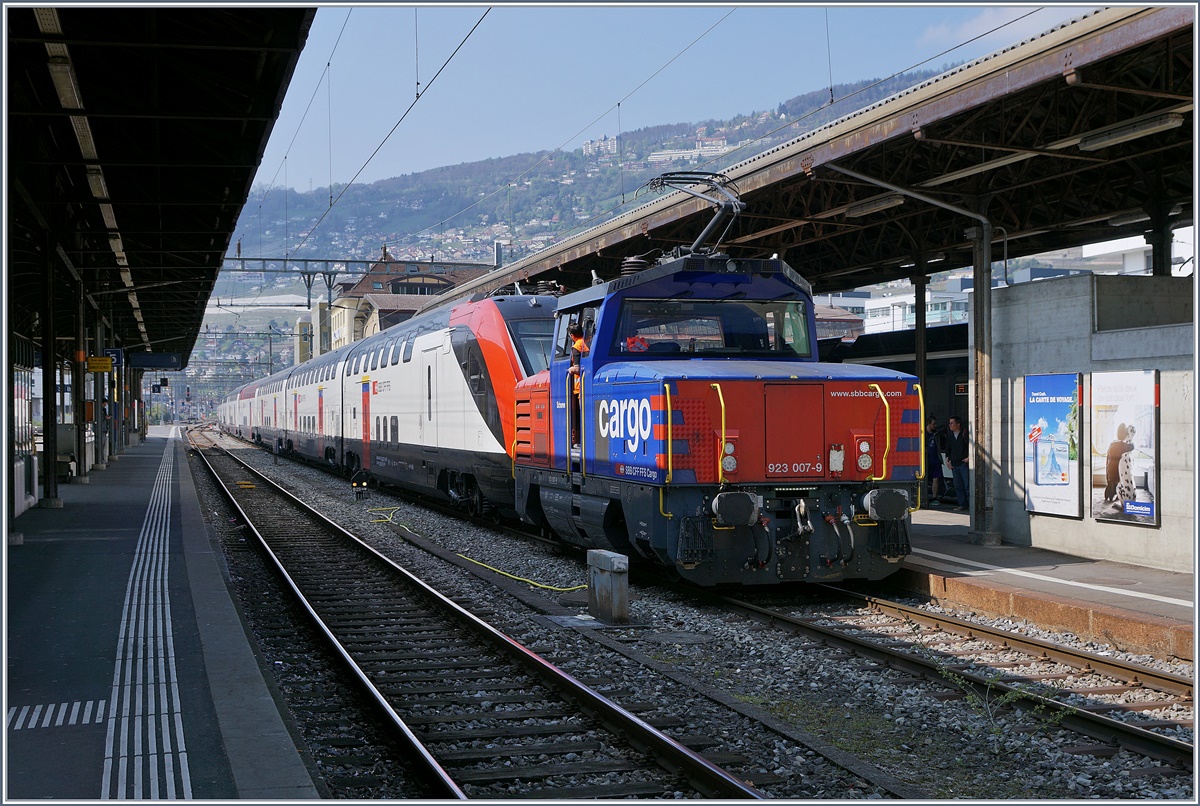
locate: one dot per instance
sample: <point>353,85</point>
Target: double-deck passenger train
<point>703,433</point>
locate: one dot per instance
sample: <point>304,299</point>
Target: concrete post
<point>608,586</point>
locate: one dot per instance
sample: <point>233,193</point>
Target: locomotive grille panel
<point>695,541</point>
<point>697,429</point>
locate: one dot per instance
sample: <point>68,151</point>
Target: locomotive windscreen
<point>714,328</point>
<point>534,339</point>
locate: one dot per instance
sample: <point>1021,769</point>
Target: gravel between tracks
<point>946,749</point>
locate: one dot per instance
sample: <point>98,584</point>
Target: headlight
<point>864,461</point>
<point>729,463</point>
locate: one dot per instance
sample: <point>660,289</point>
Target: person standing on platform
<point>934,448</point>
<point>958,450</point>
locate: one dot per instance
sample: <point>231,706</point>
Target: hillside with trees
<point>526,201</point>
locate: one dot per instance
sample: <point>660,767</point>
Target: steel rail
<point>708,779</point>
<point>1122,670</point>
<point>443,782</point>
<point>1103,729</point>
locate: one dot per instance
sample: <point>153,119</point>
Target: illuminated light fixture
<point>874,205</point>
<point>63,76</point>
<point>1134,218</point>
<point>83,133</point>
<point>106,212</point>
<point>1125,132</point>
<point>95,178</point>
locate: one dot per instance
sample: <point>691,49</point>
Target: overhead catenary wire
<point>603,214</point>
<point>392,131</point>
<point>593,122</point>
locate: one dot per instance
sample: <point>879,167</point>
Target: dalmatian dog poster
<point>1124,440</point>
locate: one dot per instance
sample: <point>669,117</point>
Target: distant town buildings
<point>604,146</point>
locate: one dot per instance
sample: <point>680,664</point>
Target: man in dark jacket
<point>958,452</point>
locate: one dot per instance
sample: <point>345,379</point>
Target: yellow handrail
<point>721,447</point>
<point>887,440</point>
<point>670,448</point>
<point>921,470</point>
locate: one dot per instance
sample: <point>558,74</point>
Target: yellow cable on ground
<point>391,513</point>
<point>521,579</point>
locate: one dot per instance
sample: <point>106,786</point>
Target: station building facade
<point>1127,344</point>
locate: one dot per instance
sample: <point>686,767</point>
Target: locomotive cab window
<point>586,318</point>
<point>712,328</point>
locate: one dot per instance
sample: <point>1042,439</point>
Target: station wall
<point>1088,324</point>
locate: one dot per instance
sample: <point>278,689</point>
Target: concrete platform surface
<point>128,672</point>
<point>1136,609</point>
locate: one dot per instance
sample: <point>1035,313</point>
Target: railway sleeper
<point>474,754</point>
<point>540,772</point>
<point>493,716</point>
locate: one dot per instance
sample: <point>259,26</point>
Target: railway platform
<point>1133,608</point>
<point>128,672</point>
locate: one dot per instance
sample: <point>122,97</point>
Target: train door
<point>571,400</point>
<point>429,398</point>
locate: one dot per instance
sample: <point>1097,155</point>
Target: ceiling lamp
<point>95,178</point>
<point>1125,132</point>
<point>874,205</point>
<point>63,76</point>
<point>1138,217</point>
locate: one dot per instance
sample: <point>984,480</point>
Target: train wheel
<point>475,504</point>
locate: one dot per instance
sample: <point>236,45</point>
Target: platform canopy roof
<point>133,134</point>
<point>1080,135</point>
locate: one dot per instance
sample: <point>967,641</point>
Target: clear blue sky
<point>539,77</point>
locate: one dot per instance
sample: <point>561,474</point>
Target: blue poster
<point>1052,458</point>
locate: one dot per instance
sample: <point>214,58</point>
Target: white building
<point>899,311</point>
<point>1136,254</point>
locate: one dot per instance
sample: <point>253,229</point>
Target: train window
<point>534,339</point>
<point>374,359</point>
<point>475,376</point>
<point>650,328</point>
<point>395,432</point>
<point>377,434</point>
<point>408,348</point>
<point>586,318</point>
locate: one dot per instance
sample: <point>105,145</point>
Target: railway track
<point>484,716</point>
<point>1096,696</point>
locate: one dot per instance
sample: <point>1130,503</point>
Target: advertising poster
<point>1124,440</point>
<point>1053,471</point>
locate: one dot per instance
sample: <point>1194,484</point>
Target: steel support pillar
<point>920,283</point>
<point>99,395</point>
<point>78,393</point>
<point>983,460</point>
<point>50,499</point>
